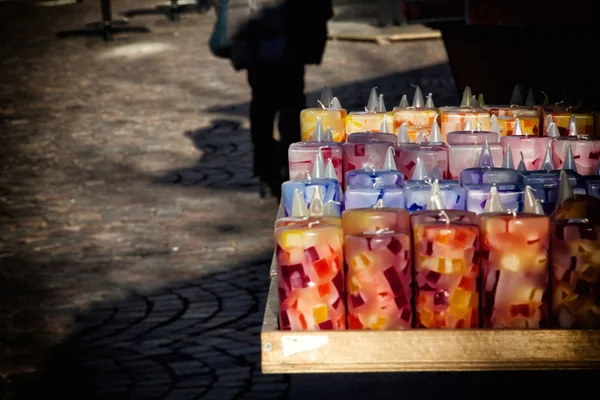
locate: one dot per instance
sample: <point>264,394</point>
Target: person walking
<point>273,40</point>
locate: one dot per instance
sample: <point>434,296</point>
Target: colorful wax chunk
<point>379,287</point>
<point>512,111</point>
<point>514,267</point>
<point>446,272</point>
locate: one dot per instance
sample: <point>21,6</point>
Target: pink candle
<point>532,148</point>
<point>586,150</point>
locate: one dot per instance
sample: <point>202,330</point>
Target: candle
<point>585,149</point>
<point>383,135</point>
<point>301,216</point>
<point>510,195</point>
<point>366,150</point>
<point>454,118</point>
<point>519,125</point>
<point>512,111</point>
<point>530,148</point>
<point>365,187</point>
<point>546,185</point>
<point>419,118</point>
<point>379,280</point>
<point>446,272</point>
<point>561,116</point>
<point>331,114</point>
<point>419,189</point>
<point>592,183</point>
<point>322,180</point>
<point>514,267</point>
<point>465,149</point>
<point>436,215</point>
<point>432,154</point>
<point>301,155</point>
<point>359,220</point>
<point>486,173</point>
<point>575,254</point>
<point>371,118</point>
<point>310,270</point>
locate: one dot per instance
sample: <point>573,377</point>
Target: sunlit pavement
<point>134,248</point>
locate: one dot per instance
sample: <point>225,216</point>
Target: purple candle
<point>432,154</point>
<point>530,148</point>
<point>465,149</point>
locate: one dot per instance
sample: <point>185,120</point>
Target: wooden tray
<point>286,352</point>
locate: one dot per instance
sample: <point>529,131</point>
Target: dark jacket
<point>263,32</point>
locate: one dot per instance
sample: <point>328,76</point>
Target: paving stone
<point>127,195</point>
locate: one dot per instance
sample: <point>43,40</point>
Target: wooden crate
<point>286,352</point>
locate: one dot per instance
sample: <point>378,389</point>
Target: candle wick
<point>445,215</point>
<point>322,105</point>
<point>311,224</point>
<point>513,212</point>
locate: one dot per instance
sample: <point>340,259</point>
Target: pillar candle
<point>527,125</point>
<point>359,220</point>
<point>331,114</point>
<point>301,155</point>
<point>379,280</point>
<point>433,154</point>
<point>454,119</point>
<point>364,155</point>
<point>530,149</point>
<point>585,149</point>
<point>546,185</point>
<point>511,196</point>
<point>419,190</point>
<point>575,255</point>
<point>459,216</point>
<point>511,111</point>
<point>446,272</point>
<point>514,267</point>
<point>419,118</point>
<point>370,137</point>
<point>370,119</point>
<point>321,180</point>
<point>310,270</point>
<point>561,116</point>
<point>464,150</point>
<point>364,188</point>
<point>302,216</point>
<point>486,172</point>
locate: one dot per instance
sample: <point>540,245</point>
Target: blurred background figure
<point>272,40</point>
<point>389,12</point>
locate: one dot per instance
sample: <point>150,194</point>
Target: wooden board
<point>421,350</point>
<point>365,31</point>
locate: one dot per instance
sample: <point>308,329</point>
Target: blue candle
<point>366,187</point>
<point>486,173</point>
<point>511,196</point>
<point>322,179</point>
<point>417,191</point>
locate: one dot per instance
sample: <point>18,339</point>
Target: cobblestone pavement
<point>134,249</point>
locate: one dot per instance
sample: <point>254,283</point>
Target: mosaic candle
<point>417,194</point>
<point>379,280</point>
<point>464,150</point>
<point>575,254</point>
<point>511,196</point>
<point>514,268</point>
<point>454,119</point>
<point>310,270</point>
<point>446,272</point>
<point>359,220</point>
